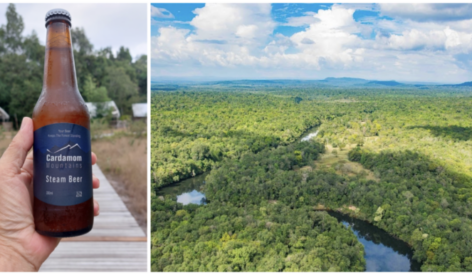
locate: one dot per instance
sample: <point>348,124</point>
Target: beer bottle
<point>62,182</point>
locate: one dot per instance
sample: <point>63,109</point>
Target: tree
<point>22,62</point>
<point>13,30</point>
<point>124,55</point>
<point>92,93</point>
<point>120,88</point>
<point>80,42</point>
<point>140,67</point>
<point>97,95</point>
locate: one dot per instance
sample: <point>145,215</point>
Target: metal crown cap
<point>56,14</point>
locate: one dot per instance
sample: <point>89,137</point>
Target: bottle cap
<point>58,14</point>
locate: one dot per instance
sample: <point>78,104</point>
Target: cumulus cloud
<point>301,21</point>
<point>427,12</point>
<point>239,40</point>
<point>279,45</point>
<point>224,35</point>
<point>306,40</point>
<point>160,12</point>
<point>333,41</point>
<point>235,23</point>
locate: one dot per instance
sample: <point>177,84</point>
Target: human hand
<point>21,247</point>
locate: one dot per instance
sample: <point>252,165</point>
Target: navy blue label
<point>62,164</point>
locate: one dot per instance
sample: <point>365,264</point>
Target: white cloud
<point>237,41</point>
<point>301,21</point>
<point>306,40</point>
<point>413,40</point>
<point>234,23</point>
<point>279,45</point>
<point>161,12</point>
<point>333,41</point>
<point>224,35</point>
<point>427,12</point>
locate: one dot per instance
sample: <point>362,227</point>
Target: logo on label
<point>62,164</point>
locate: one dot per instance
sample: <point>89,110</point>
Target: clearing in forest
<point>337,159</point>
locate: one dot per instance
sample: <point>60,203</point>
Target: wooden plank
<point>98,256</point>
<point>116,242</point>
<point>105,239</point>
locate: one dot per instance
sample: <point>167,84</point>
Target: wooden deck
<point>116,242</point>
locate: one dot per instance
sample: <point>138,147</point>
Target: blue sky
<point>405,42</point>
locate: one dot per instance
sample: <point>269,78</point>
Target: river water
<point>309,136</point>
<point>186,191</point>
<point>383,252</point>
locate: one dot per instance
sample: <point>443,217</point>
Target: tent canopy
<point>3,115</point>
<point>92,108</point>
<point>139,109</point>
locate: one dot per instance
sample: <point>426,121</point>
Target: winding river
<point>383,252</point>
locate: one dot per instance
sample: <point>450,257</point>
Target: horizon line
<point>196,79</point>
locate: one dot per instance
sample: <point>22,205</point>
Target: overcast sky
<point>106,25</point>
<point>405,42</point>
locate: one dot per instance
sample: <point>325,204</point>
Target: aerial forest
<point>398,158</point>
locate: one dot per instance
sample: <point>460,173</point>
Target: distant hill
<point>465,84</point>
<point>343,81</point>
<point>165,87</point>
<point>327,82</point>
<point>330,81</point>
<point>385,83</point>
<point>256,82</point>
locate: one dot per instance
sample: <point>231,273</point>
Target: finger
<point>27,172</point>
<point>14,157</point>
<point>94,158</point>
<point>96,208</point>
<point>96,182</point>
<point>28,165</point>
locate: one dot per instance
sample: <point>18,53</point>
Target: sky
<point>403,42</point>
<point>106,25</point>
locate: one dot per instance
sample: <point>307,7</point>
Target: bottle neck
<point>59,68</point>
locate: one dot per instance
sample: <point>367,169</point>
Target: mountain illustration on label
<point>56,149</point>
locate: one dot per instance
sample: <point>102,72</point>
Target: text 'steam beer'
<point>63,198</point>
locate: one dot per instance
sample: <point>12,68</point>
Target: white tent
<point>139,110</point>
<point>3,115</point>
<point>92,108</point>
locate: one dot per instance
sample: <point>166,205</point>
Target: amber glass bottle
<point>63,194</point>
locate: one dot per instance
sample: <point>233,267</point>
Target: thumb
<point>14,157</point>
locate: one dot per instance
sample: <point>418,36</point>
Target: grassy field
<point>126,170</point>
<point>123,158</point>
<point>336,159</point>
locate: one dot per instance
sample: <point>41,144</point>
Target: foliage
<point>270,238</point>
<point>194,131</point>
<point>100,75</point>
<point>254,235</point>
<point>415,141</point>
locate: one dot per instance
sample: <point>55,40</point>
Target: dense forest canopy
<point>102,75</point>
<point>253,235</point>
<point>193,131</point>
<point>414,143</point>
